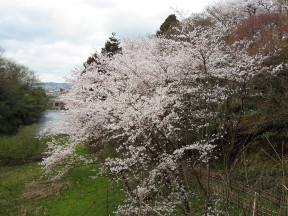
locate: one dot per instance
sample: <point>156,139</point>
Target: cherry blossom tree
<point>231,12</point>
<point>160,108</point>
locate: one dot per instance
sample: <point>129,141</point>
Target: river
<point>48,116</point>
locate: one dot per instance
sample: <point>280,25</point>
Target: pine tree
<point>167,25</point>
<point>112,46</point>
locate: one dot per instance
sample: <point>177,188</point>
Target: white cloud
<point>53,37</point>
<point>51,78</point>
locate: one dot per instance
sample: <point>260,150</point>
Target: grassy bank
<point>21,148</point>
<point>23,193</point>
<point>83,191</point>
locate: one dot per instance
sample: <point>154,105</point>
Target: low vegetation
<point>21,148</point>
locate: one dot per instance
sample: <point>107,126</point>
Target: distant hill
<point>49,85</point>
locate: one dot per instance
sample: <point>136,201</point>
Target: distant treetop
<point>167,25</point>
<point>112,46</point>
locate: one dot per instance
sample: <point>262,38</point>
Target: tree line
<point>22,100</point>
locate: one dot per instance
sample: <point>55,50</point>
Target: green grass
<point>22,192</point>
<point>86,192</point>
<point>81,191</point>
<point>21,148</point>
<point>15,178</point>
<point>84,189</point>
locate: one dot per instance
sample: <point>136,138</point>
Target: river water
<point>48,116</point>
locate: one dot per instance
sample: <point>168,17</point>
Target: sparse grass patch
<point>38,190</point>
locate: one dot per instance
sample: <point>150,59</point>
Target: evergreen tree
<point>112,46</point>
<point>166,27</point>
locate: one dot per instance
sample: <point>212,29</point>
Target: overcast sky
<point>52,37</point>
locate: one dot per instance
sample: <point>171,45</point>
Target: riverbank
<point>24,191</point>
<point>22,148</point>
<point>25,147</point>
<point>83,191</point>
